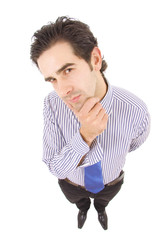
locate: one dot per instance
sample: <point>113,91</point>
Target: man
<point>89,126</point>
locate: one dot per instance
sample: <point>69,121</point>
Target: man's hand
<point>93,119</point>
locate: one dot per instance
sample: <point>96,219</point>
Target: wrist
<point>87,139</point>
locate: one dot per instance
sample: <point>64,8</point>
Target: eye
<point>68,70</point>
<point>52,79</point>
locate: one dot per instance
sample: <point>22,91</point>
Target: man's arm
<point>62,158</point>
<point>142,132</point>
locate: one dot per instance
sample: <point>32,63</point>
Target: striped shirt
<point>63,147</point>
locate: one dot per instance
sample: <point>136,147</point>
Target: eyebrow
<point>60,70</point>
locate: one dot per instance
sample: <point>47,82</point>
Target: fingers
<point>105,118</point>
<point>91,109</point>
<point>101,114</point>
<point>88,105</point>
<point>96,109</point>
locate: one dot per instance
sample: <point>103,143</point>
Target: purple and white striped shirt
<point>63,147</point>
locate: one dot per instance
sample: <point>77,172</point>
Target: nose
<point>64,88</point>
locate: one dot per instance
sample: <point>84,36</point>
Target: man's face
<point>71,76</point>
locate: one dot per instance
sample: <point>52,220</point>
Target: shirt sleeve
<point>61,158</point>
<point>141,132</point>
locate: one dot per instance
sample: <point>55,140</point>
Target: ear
<point>96,59</point>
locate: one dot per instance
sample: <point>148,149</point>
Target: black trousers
<point>81,197</point>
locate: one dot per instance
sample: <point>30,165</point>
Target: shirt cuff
<point>94,155</point>
<point>79,145</point>
<point>96,152</point>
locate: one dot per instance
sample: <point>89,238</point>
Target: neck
<point>101,87</point>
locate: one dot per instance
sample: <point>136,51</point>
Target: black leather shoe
<point>102,217</point>
<point>81,218</point>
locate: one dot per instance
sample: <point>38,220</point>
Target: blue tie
<point>93,178</point>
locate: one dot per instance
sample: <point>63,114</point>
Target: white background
<point>31,204</point>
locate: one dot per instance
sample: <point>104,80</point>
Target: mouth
<point>75,99</point>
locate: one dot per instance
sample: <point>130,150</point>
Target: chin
<point>77,106</point>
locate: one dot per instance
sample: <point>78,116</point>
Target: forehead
<point>56,56</point>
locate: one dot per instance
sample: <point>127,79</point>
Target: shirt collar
<point>108,99</point>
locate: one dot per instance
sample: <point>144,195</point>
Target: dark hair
<point>78,34</point>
